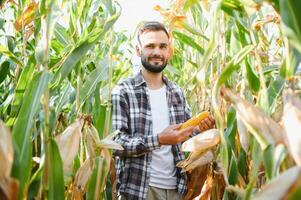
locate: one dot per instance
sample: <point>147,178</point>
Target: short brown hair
<point>151,26</point>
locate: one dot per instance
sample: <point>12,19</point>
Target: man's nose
<point>157,51</point>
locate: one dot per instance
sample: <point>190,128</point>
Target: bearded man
<point>148,110</point>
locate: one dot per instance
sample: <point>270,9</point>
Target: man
<point>148,110</point>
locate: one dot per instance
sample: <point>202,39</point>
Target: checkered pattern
<point>132,117</point>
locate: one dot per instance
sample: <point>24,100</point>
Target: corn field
<point>238,59</point>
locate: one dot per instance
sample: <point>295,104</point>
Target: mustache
<point>160,57</point>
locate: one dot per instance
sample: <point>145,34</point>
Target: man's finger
<point>211,122</point>
<point>175,126</point>
<point>208,122</point>
<point>187,131</point>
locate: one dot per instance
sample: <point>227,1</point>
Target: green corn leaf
<point>242,164</point>
<point>99,116</point>
<point>279,155</point>
<point>294,61</point>
<point>275,4</point>
<point>233,173</point>
<point>23,82</point>
<point>55,175</point>
<point>231,127</point>
<point>253,79</point>
<point>268,161</point>
<point>291,23</point>
<point>233,64</point>
<point>100,73</point>
<point>4,70</point>
<point>80,51</point>
<point>60,34</point>
<point>10,55</point>
<point>97,179</point>
<point>35,181</point>
<point>22,129</point>
<point>230,6</point>
<point>188,41</point>
<point>274,92</point>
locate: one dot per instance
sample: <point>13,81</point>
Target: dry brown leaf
<point>261,125</point>
<point>94,133</point>
<point>113,180</point>
<point>82,177</point>
<point>27,16</point>
<point>244,136</point>
<point>68,143</point>
<point>237,190</point>
<point>205,140</point>
<point>292,124</point>
<point>196,180</point>
<point>171,17</point>
<point>105,153</point>
<point>6,151</point>
<point>90,143</point>
<point>280,186</point>
<point>9,188</point>
<point>206,190</point>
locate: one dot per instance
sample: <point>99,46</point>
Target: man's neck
<point>153,80</point>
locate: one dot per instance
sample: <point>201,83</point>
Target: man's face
<point>153,50</point>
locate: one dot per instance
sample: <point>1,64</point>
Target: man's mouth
<point>156,59</point>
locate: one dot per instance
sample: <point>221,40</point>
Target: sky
<point>135,11</point>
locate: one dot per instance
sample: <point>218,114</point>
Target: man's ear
<point>170,52</point>
<point>138,50</point>
<point>171,49</point>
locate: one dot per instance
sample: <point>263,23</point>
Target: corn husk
<point>82,177</point>
<point>90,142</point>
<point>281,186</point>
<point>8,186</point>
<point>94,133</point>
<point>264,128</point>
<point>193,156</point>
<point>189,164</point>
<point>68,143</point>
<point>205,140</point>
<point>292,124</point>
<point>6,151</point>
<point>109,143</point>
<point>105,153</point>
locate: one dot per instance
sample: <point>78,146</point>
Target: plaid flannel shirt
<point>132,117</point>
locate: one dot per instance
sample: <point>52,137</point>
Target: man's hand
<point>171,135</point>
<point>207,123</point>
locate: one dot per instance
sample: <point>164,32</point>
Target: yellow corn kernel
<point>194,121</point>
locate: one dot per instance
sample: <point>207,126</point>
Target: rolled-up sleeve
<point>134,144</point>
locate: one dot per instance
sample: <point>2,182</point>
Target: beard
<point>153,68</point>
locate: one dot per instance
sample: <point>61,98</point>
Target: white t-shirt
<point>163,170</point>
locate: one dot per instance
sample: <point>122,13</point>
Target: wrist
<point>160,138</point>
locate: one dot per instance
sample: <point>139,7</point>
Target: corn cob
<point>195,120</point>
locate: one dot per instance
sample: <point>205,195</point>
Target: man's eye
<point>150,46</point>
<point>163,47</point>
